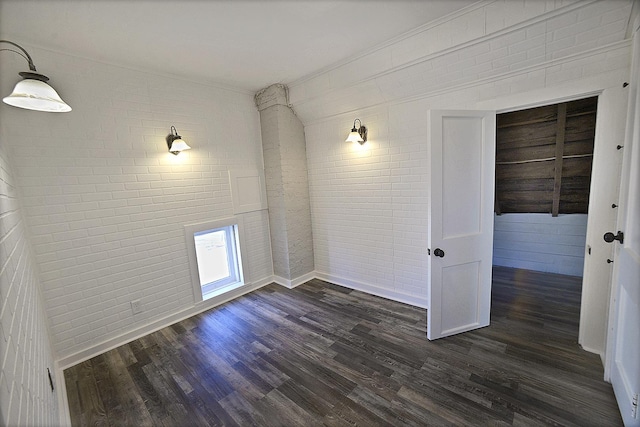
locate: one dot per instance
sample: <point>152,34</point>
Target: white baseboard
<point>352,284</point>
<point>109,344</point>
<point>294,282</point>
<point>374,290</point>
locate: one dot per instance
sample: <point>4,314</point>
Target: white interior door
<point>623,349</point>
<point>462,157</point>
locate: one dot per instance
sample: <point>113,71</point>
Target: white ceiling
<point>247,44</point>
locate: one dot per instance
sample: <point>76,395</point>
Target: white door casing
<point>462,160</point>
<point>623,344</point>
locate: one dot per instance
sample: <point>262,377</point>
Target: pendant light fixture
<point>175,142</point>
<point>33,92</point>
<point>358,134</point>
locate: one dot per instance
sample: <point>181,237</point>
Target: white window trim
<point>190,230</point>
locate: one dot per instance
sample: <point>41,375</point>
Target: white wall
<point>370,205</point>
<point>287,187</point>
<point>25,350</point>
<point>540,242</point>
<point>105,202</point>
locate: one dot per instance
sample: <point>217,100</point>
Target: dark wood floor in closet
<point>325,355</point>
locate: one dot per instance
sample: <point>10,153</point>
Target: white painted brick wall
<point>541,242</point>
<point>106,203</point>
<point>275,193</point>
<point>258,249</point>
<point>293,163</point>
<point>25,350</point>
<point>285,163</point>
<point>370,205</point>
<point>514,38</point>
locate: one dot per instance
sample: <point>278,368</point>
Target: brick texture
<point>489,42</point>
<point>370,204</point>
<point>285,162</point>
<point>106,203</point>
<point>25,350</point>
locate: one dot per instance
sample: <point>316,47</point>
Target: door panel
<point>462,159</point>
<point>625,369</point>
<point>627,351</point>
<point>462,176</point>
<point>460,292</point>
<point>623,346</point>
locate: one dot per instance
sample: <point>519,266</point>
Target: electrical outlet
<point>634,406</point>
<point>136,306</point>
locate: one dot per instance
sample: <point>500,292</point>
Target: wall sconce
<point>33,93</point>
<point>358,134</point>
<point>175,142</point>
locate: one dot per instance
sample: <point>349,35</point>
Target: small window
<point>217,258</point>
<point>214,257</point>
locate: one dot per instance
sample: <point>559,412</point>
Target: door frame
<point>549,96</point>
<point>626,254</point>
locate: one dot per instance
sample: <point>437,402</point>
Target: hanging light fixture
<point>358,134</point>
<point>175,142</point>
<point>33,93</point>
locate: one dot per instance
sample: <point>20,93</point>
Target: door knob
<point>610,237</point>
<point>439,253</point>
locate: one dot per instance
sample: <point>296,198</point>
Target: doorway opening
<point>544,159</point>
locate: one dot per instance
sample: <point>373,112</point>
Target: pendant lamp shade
<point>178,145</point>
<point>354,136</point>
<point>33,92</point>
<point>357,134</point>
<point>37,95</point>
<point>175,142</point>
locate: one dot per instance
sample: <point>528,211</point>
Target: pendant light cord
<point>24,53</point>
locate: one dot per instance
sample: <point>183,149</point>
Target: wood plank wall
<point>544,157</point>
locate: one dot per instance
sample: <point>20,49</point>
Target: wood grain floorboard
<point>324,355</point>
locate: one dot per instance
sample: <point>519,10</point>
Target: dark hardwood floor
<point>325,355</point>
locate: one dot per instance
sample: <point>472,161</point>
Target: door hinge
<point>634,406</point>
